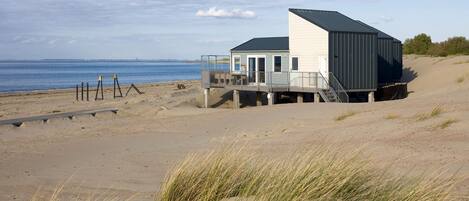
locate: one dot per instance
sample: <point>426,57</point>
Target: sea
<point>16,76</point>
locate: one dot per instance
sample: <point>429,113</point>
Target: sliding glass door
<point>252,70</point>
<point>256,69</point>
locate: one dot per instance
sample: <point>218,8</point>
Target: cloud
<point>222,13</point>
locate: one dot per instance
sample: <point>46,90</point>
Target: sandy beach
<point>131,151</point>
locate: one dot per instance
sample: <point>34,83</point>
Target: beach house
<point>326,54</point>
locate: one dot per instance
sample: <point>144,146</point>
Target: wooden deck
<point>44,118</point>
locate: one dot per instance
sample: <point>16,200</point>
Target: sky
<point>186,29</point>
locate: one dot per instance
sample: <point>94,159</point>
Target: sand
<point>131,152</point>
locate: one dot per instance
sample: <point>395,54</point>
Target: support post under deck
<point>299,98</point>
<point>316,98</point>
<point>236,104</point>
<point>259,98</point>
<point>206,96</point>
<point>371,97</point>
<point>271,98</point>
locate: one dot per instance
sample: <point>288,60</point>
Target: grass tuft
<point>344,116</point>
<point>391,116</point>
<point>436,111</point>
<point>460,79</point>
<point>461,62</point>
<point>318,174</point>
<point>446,124</point>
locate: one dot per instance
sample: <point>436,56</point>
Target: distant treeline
<point>422,45</point>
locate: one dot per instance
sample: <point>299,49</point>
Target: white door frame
<point>323,68</point>
<point>256,57</point>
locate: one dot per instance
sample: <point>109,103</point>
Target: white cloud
<point>222,13</point>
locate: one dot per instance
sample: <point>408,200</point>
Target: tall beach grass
<point>318,174</point>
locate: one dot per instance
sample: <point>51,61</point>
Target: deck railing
<point>217,73</point>
<point>273,81</point>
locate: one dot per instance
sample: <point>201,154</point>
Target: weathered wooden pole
<point>77,92</point>
<point>102,90</point>
<point>82,91</point>
<point>114,91</point>
<point>87,92</point>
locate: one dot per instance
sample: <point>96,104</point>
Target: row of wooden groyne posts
<point>83,94</point>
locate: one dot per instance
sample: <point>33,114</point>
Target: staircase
<point>335,93</point>
<point>328,95</point>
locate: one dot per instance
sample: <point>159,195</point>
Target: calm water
<point>39,75</point>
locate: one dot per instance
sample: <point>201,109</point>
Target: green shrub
<point>422,45</point>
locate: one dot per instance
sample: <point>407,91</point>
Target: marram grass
<point>319,174</point>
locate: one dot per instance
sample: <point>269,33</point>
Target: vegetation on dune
<point>344,116</point>
<point>422,45</point>
<point>436,111</point>
<point>319,174</point>
<point>391,116</point>
<point>446,123</point>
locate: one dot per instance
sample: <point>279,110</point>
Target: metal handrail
<point>340,89</point>
<point>331,89</point>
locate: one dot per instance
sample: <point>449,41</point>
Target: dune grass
<point>436,111</point>
<point>460,79</point>
<point>447,123</point>
<point>345,115</point>
<point>391,116</point>
<point>461,62</point>
<point>318,174</point>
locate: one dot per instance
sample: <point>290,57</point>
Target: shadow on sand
<point>408,75</point>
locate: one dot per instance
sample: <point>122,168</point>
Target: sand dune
<point>130,152</point>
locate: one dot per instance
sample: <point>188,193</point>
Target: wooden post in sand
<point>82,91</point>
<point>236,104</point>
<point>271,98</point>
<point>316,98</point>
<point>76,92</point>
<point>206,96</point>
<point>299,98</point>
<point>371,97</point>
<point>116,85</point>
<point>87,92</point>
<point>100,86</point>
<point>259,98</point>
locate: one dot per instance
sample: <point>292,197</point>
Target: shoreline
<point>72,89</point>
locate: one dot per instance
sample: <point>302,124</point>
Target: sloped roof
<point>380,33</point>
<point>271,43</point>
<point>331,21</point>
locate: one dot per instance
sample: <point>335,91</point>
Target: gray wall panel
<point>353,60</point>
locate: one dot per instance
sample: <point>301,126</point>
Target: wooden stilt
<point>77,92</point>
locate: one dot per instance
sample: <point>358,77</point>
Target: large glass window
<point>237,63</point>
<point>277,64</point>
<point>294,63</point>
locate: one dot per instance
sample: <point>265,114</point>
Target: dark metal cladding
<point>271,43</point>
<point>397,60</point>
<point>353,59</point>
<point>385,61</point>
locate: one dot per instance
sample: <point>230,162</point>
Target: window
<point>237,63</point>
<point>277,64</point>
<point>294,63</point>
